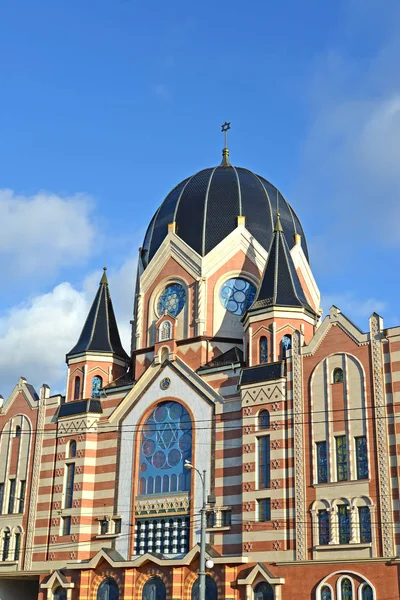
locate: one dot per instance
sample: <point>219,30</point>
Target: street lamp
<point>202,567</point>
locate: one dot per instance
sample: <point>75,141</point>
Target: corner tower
<point>98,357</point>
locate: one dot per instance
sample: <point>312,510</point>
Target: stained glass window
<point>341,458</point>
<point>322,462</point>
<point>77,388</point>
<point>362,457</point>
<point>263,419</point>
<point>172,300</point>
<point>1,497</point>
<point>264,510</point>
<point>166,442</point>
<point>263,591</point>
<point>11,496</point>
<point>97,384</point>
<point>17,545</point>
<point>326,593</point>
<point>263,462</point>
<point>211,589</point>
<point>364,516</point>
<point>69,485</point>
<point>323,527</point>
<point>72,449</point>
<point>108,590</point>
<point>286,344</point>
<point>60,593</point>
<point>338,376</point>
<point>263,350</point>
<point>6,545</point>
<point>154,589</point>
<point>237,295</point>
<point>367,593</point>
<point>347,589</point>
<point>344,524</point>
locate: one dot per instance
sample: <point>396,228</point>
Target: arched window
<point>326,593</point>
<point>263,420</point>
<point>286,344</point>
<point>108,590</point>
<point>154,589</point>
<point>165,331</point>
<point>77,388</point>
<point>60,593</point>
<point>97,384</point>
<point>211,589</point>
<point>347,589</point>
<point>166,442</point>
<point>164,355</point>
<point>72,449</point>
<point>338,376</point>
<point>263,349</point>
<point>18,431</point>
<point>367,593</point>
<point>263,591</point>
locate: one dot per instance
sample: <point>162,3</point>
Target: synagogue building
<point>289,415</point>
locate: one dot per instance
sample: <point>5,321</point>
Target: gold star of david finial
<point>225,152</point>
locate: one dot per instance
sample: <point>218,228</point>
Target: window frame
<point>11,496</point>
<point>344,456</point>
<point>321,539</point>
<point>263,510</point>
<point>322,468</point>
<point>22,493</point>
<point>343,513</point>
<point>362,467</point>
<point>264,462</point>
<point>66,525</point>
<point>69,485</point>
<point>366,510</point>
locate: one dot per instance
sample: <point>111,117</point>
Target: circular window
<point>237,295</point>
<point>172,300</point>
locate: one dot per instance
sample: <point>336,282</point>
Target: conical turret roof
<point>100,332</point>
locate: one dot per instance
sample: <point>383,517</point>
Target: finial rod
<point>104,277</point>
<point>225,152</point>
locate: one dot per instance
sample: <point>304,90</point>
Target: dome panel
<point>205,208</point>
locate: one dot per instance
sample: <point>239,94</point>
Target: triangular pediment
<point>55,580</point>
<point>169,379</point>
<point>28,392</point>
<point>261,570</point>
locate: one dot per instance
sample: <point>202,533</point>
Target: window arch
<point>263,591</point>
<point>263,350</point>
<point>97,384</point>
<point>77,388</point>
<point>72,449</point>
<point>165,331</point>
<point>60,593</point>
<point>166,442</point>
<point>346,589</point>
<point>164,355</point>
<point>367,593</point>
<point>326,593</point>
<point>154,589</point>
<point>263,420</point>
<point>211,589</point>
<point>286,344</point>
<point>108,590</point>
<point>338,375</point>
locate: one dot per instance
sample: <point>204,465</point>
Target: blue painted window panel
<point>326,593</point>
<point>60,593</point>
<point>166,442</point>
<point>264,510</point>
<point>69,487</point>
<point>344,524</point>
<point>286,344</point>
<point>263,350</point>
<point>77,388</point>
<point>97,384</point>
<point>323,527</point>
<point>338,376</point>
<point>322,462</point>
<point>211,589</point>
<point>11,497</point>
<point>108,590</point>
<point>237,295</point>
<point>362,457</point>
<point>342,458</point>
<point>72,449</point>
<point>263,420</point>
<point>263,591</point>
<point>364,516</point>
<point>172,300</point>
<point>367,592</point>
<point>66,522</point>
<point>264,468</point>
<point>347,590</point>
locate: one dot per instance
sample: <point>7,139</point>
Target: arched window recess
<point>72,449</point>
<point>108,590</point>
<point>263,420</point>
<point>263,350</point>
<point>97,384</point>
<point>338,375</point>
<point>154,589</point>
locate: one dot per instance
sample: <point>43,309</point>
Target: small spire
<point>104,280</point>
<point>278,224</point>
<point>225,152</point>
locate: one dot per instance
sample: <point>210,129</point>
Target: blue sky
<point>105,105</point>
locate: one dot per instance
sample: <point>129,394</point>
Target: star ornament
<point>225,126</point>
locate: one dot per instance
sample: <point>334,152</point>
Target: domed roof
<point>205,208</point>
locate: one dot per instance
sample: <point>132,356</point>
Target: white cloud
<point>36,335</point>
<point>353,307</point>
<point>44,232</point>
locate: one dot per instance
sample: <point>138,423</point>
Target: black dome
<point>205,208</point>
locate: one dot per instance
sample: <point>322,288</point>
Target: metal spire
<point>225,152</point>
